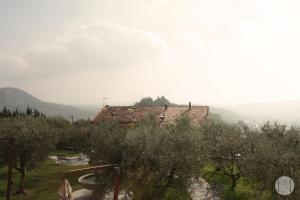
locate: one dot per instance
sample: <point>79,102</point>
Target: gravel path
<point>84,194</point>
<point>201,190</point>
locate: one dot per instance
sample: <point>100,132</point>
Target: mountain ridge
<point>15,98</point>
<point>282,111</point>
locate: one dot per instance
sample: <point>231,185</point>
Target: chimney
<point>190,106</point>
<point>166,107</point>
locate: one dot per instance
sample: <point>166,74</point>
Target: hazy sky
<point>204,51</point>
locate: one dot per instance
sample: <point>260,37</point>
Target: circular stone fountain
<point>99,182</point>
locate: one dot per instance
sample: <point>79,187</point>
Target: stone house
<point>166,114</point>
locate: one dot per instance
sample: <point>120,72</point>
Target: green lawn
<point>42,183</point>
<point>245,189</point>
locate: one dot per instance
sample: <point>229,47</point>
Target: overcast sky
<point>204,51</point>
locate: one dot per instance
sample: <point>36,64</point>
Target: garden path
<point>201,190</point>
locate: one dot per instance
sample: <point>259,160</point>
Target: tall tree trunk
<point>21,189</point>
<point>171,177</point>
<point>233,185</point>
<point>22,182</point>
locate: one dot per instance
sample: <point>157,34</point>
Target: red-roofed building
<point>132,114</point>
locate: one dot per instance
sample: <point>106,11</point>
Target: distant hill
<point>284,112</point>
<point>14,98</point>
<point>230,116</point>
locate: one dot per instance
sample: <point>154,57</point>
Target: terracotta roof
<point>132,114</point>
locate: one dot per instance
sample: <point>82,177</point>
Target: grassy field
<point>42,183</point>
<point>245,189</point>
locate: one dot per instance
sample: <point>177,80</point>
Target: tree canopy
<point>159,101</point>
<point>32,143</point>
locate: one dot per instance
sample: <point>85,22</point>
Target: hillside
<point>284,112</point>
<point>14,98</point>
<point>230,116</point>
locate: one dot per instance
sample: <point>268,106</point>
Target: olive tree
<point>61,131</point>
<point>275,153</point>
<point>32,143</point>
<point>226,148</point>
<point>104,141</point>
<point>157,154</point>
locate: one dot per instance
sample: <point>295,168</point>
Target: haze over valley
<point>253,114</point>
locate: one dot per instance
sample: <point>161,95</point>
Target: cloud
<point>12,65</point>
<point>101,46</point>
<point>111,45</point>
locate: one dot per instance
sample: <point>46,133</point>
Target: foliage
<point>226,148</point>
<point>157,155</point>
<point>68,137</point>
<point>176,192</point>
<point>6,113</point>
<point>245,189</point>
<point>275,153</point>
<point>60,131</point>
<point>105,141</point>
<point>261,156</point>
<point>32,143</point>
<point>159,101</point>
<point>158,159</point>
